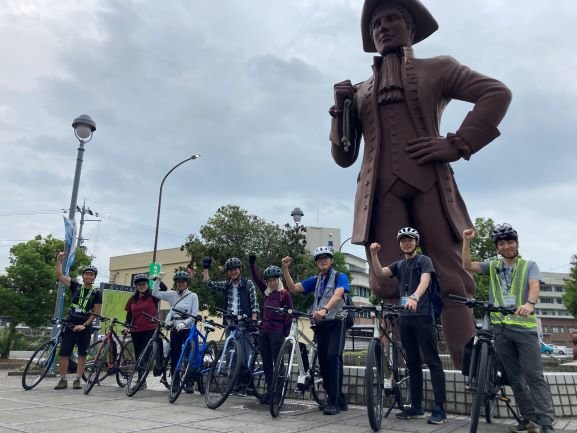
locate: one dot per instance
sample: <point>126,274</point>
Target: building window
<point>559,289</point>
<point>547,300</point>
<point>330,243</point>
<point>545,288</point>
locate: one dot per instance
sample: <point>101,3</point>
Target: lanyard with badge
<point>508,297</point>
<point>83,299</point>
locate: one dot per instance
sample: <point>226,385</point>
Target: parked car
<point>559,350</point>
<point>546,348</point>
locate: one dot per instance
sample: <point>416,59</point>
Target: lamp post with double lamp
<point>84,127</point>
<point>153,265</point>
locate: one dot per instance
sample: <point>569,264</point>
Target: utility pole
<point>83,211</point>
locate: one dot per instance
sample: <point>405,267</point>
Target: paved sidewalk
<point>107,409</point>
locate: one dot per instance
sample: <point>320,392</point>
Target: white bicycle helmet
<point>321,251</point>
<point>408,232</point>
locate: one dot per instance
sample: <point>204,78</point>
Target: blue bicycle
<point>195,358</point>
<point>238,367</point>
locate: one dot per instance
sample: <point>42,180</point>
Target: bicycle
<point>308,371</point>
<point>224,373</point>
<point>387,378</point>
<point>195,359</point>
<point>153,354</point>
<point>114,356</point>
<point>486,374</point>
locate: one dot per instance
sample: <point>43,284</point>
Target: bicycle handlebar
<point>389,308</point>
<point>485,305</point>
<point>113,320</point>
<point>290,312</point>
<point>197,318</point>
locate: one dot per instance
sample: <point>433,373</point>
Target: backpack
<point>434,292</point>
<point>349,319</point>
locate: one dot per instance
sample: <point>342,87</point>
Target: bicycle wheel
<point>281,377</point>
<point>401,386</point>
<point>222,375</point>
<point>208,358</point>
<point>481,378</point>
<point>125,364</point>
<point>258,382</point>
<point>374,386</point>
<point>100,364</point>
<point>143,365</point>
<point>491,389</point>
<point>179,376</point>
<point>317,388</point>
<point>38,365</point>
<point>90,356</point>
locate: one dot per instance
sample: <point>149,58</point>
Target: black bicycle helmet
<point>90,268</point>
<point>408,232</point>
<point>181,276</point>
<point>140,278</point>
<point>504,232</point>
<point>232,263</point>
<point>272,272</point>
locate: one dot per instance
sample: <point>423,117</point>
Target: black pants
<point>418,335</point>
<point>139,341</point>
<point>330,343</point>
<point>270,344</point>
<point>177,339</point>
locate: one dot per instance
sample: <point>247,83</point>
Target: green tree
<point>482,249</point>
<point>233,232</point>
<point>570,296</point>
<point>28,290</point>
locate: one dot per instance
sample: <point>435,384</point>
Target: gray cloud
<point>248,86</point>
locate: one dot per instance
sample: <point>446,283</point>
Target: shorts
<point>78,339</point>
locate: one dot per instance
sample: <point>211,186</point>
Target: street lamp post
<point>84,127</point>
<point>195,156</point>
<point>297,215</point>
<point>344,242</point>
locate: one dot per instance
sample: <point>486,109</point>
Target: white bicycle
<point>295,354</point>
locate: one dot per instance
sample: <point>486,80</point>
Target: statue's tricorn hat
<point>425,24</point>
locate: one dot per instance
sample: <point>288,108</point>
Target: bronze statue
<point>405,177</point>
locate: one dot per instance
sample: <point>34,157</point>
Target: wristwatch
<point>531,302</point>
<point>414,297</point>
<point>326,309</point>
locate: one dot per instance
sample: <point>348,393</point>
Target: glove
<point>206,262</point>
<point>252,259</point>
<point>181,326</point>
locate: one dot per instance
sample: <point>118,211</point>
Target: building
<point>557,324</point>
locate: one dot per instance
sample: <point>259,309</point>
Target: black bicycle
<point>224,376</point>
<point>486,376</point>
<point>387,379</point>
<point>152,358</point>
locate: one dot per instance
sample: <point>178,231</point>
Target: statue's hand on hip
<point>432,149</point>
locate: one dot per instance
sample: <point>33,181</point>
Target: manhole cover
<point>286,408</point>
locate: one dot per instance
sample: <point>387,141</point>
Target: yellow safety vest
<point>517,286</point>
<point>82,299</point>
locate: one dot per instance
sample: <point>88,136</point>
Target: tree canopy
<point>570,296</point>
<point>28,290</point>
<point>233,232</point>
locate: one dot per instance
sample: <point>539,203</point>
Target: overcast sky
<point>247,84</point>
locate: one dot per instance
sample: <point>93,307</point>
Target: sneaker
<point>411,413</point>
<point>165,382</point>
<point>547,429</point>
<point>331,409</point>
<point>188,388</point>
<point>62,384</point>
<point>438,416</point>
<point>76,384</point>
<point>525,426</point>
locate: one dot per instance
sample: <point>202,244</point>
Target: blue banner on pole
<point>69,238</point>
